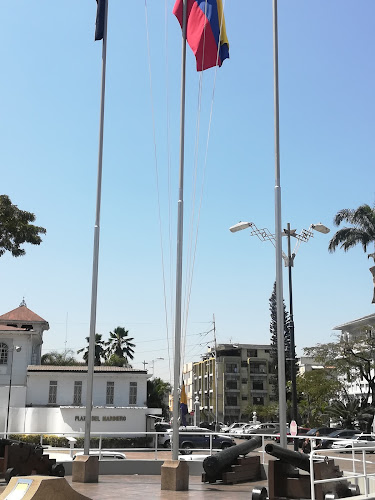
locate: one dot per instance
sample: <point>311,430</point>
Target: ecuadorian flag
<point>205,31</point>
<point>183,405</point>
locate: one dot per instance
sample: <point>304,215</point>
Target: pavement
<point>140,486</point>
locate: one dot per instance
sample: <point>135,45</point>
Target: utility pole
<point>216,380</point>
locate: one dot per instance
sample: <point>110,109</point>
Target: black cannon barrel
<point>214,464</point>
<point>295,458</point>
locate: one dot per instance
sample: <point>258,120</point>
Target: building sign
<point>104,418</point>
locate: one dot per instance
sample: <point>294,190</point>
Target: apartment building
<point>230,379</point>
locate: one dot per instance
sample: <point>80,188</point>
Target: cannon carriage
<point>22,459</point>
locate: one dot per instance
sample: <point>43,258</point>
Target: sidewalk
<point>135,487</point>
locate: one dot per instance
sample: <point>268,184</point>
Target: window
<point>258,385</point>
<point>244,381</point>
<point>232,368</point>
<point>244,364</point>
<point>258,401</point>
<point>244,398</point>
<point>110,393</point>
<point>231,384</point>
<point>77,397</point>
<point>252,353</point>
<point>232,400</point>
<point>52,392</point>
<point>133,393</point>
<point>3,354</point>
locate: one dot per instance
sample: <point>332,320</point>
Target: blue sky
<point>50,96</point>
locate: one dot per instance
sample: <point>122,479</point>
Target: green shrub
<point>107,442</point>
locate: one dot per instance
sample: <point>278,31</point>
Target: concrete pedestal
<point>175,475</point>
<point>40,488</point>
<point>85,469</point>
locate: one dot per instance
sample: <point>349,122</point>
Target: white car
<point>360,441</point>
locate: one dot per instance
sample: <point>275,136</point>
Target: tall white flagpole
<point>278,236</point>
<point>180,221</point>
<point>94,288</point>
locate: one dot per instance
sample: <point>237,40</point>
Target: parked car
<point>200,438</point>
<point>238,429</point>
<point>104,455</point>
<point>323,431</point>
<point>361,441</point>
<point>339,433</point>
<point>264,428</point>
<point>236,425</point>
<point>163,438</point>
<point>300,432</point>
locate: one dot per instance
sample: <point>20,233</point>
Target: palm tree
<point>59,359</point>
<point>120,344</point>
<point>99,350</point>
<point>363,232</point>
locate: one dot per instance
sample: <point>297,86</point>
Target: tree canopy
<point>16,228</point>
<point>99,354</point>
<point>274,349</point>
<point>56,358</point>
<point>363,232</point>
<point>157,393</point>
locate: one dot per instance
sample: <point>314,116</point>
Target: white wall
<point>38,387</point>
<point>64,420</point>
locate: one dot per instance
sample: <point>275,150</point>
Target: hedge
<point>107,442</point>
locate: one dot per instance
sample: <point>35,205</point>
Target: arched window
<point>3,354</point>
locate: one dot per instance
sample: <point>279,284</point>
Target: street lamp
<point>304,236</point>
<point>17,349</point>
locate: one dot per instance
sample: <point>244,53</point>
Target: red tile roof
<point>22,313</point>
<point>82,368</point>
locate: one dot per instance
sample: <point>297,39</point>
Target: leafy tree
<point>157,392</point>
<point>99,350</point>
<point>274,349</point>
<point>363,232</point>
<point>120,344</point>
<point>16,228</point>
<point>116,360</point>
<point>352,358</point>
<point>315,389</point>
<point>263,412</point>
<point>56,358</point>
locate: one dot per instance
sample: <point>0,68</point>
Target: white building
<point>51,399</point>
<point>350,330</point>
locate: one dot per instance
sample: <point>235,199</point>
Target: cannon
<point>227,465</point>
<point>285,481</point>
<point>22,459</point>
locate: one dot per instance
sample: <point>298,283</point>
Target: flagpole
<point>94,288</point>
<point>180,220</point>
<point>278,236</point>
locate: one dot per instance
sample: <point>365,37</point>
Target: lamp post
<point>17,349</point>
<point>304,236</point>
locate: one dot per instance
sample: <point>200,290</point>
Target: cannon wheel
<point>186,449</point>
<point>58,470</point>
<point>167,444</point>
<point>11,472</point>
<point>259,494</point>
<point>354,489</point>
